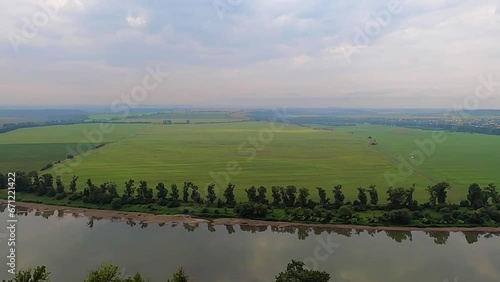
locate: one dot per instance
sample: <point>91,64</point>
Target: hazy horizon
<point>252,54</point>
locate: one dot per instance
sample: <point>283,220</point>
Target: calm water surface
<point>69,246</point>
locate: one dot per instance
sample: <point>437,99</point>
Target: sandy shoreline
<point>175,219</point>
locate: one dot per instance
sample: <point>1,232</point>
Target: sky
<point>251,53</point>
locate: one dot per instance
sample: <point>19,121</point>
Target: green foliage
<point>362,197</point>
<point>338,196</point>
<point>400,217</point>
<point>179,276</point>
<point>229,195</point>
<point>373,195</point>
<point>39,274</point>
<point>295,272</point>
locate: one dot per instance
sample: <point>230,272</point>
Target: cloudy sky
<point>250,53</point>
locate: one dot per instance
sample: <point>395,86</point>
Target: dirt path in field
<point>151,218</point>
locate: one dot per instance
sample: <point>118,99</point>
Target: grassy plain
<point>300,156</point>
<point>32,148</point>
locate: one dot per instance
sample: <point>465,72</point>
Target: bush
<point>116,203</point>
<point>47,166</point>
<point>75,196</point>
<point>69,156</point>
<point>85,199</point>
<point>346,213</point>
<point>216,211</point>
<point>464,203</point>
<point>185,211</point>
<point>173,204</point>
<point>418,215</point>
<point>60,196</point>
<point>456,214</point>
<point>51,192</point>
<point>401,217</point>
<point>448,217</point>
<point>204,210</point>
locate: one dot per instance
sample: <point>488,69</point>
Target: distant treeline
<point>13,126</point>
<point>477,123</point>
<point>482,206</point>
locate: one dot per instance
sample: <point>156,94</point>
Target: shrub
<point>47,166</point>
<point>51,192</point>
<point>85,199</point>
<point>346,213</point>
<point>185,211</point>
<point>456,214</point>
<point>204,210</point>
<point>116,203</point>
<point>464,203</point>
<point>60,196</point>
<point>402,216</point>
<point>173,204</point>
<point>216,211</point>
<point>75,196</point>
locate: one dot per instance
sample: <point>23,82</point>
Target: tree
<point>162,192</point>
<point>59,185</point>
<point>492,193</point>
<point>40,274</point>
<point>338,196</point>
<point>441,192</point>
<point>373,195</point>
<point>229,195</point>
<point>174,194</point>
<point>142,191</point>
<point>195,195</point>
<point>303,195</point>
<point>185,191</point>
<point>438,193</point>
<point>363,198</point>
<point>396,197</point>
<point>476,196</point>
<point>295,272</point>
<point>111,273</point>
<point>323,200</point>
<point>72,184</point>
<point>129,188</point>
<point>3,181</point>
<point>432,195</point>
<point>261,196</point>
<point>276,196</point>
<point>179,276</point>
<point>289,195</point>
<point>211,196</point>
<point>251,194</point>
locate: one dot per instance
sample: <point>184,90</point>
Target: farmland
<point>223,152</point>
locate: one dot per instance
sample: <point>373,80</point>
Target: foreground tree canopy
<point>295,272</point>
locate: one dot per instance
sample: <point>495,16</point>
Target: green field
<point>299,156</point>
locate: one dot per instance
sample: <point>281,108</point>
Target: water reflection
<point>71,243</point>
<point>303,232</point>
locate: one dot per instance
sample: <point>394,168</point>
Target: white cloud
<point>136,21</point>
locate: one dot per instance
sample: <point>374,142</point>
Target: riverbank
<point>186,219</point>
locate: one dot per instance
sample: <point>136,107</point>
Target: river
<point>70,245</point>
